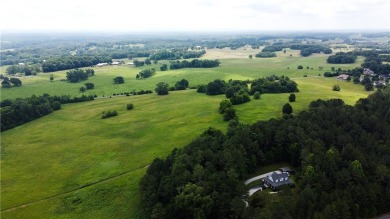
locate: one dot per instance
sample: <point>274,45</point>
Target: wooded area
<point>341,154</point>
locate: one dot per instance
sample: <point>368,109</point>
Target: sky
<point>194,15</point>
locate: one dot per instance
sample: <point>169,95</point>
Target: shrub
<point>164,67</point>
<point>119,80</point>
<point>223,105</point>
<point>300,67</point>
<point>292,98</point>
<point>229,92</point>
<point>109,114</point>
<point>256,95</point>
<point>336,87</point>
<point>89,86</point>
<point>130,106</point>
<point>229,114</point>
<point>201,89</point>
<point>239,99</point>
<point>82,89</point>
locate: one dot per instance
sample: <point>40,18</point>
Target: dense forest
<point>341,154</point>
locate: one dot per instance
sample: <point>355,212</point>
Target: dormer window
<point>286,178</point>
<point>276,180</point>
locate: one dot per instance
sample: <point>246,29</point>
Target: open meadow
<point>73,164</point>
<point>231,68</point>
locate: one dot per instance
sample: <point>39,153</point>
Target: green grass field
<point>238,68</point>
<point>72,164</point>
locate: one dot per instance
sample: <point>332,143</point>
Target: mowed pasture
<point>72,164</point>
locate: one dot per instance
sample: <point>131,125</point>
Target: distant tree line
<point>138,63</point>
<point>330,74</point>
<point>129,54</point>
<point>341,58</point>
<point>24,69</point>
<point>272,48</point>
<point>196,63</point>
<point>340,153</point>
<point>70,62</point>
<point>385,57</point>
<point>22,110</point>
<point>265,55</point>
<point>76,75</point>
<point>173,55</point>
<point>307,50</point>
<point>134,92</point>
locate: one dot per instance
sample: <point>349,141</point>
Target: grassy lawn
<point>72,164</point>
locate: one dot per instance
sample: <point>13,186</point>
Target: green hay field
<point>72,164</point>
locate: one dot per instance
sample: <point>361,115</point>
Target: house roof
<point>278,179</point>
<point>285,169</point>
<point>343,77</point>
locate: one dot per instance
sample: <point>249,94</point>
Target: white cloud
<point>197,15</point>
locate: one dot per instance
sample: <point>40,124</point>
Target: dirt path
<point>68,192</point>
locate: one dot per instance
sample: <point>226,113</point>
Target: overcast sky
<point>195,15</point>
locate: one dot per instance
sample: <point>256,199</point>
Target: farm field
<point>231,68</point>
<point>72,164</point>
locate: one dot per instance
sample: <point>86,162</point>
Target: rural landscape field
<point>178,118</point>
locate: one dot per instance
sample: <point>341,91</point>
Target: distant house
<point>115,63</point>
<point>367,71</point>
<point>276,180</point>
<point>20,63</point>
<point>287,170</point>
<point>343,77</point>
<point>197,47</point>
<point>379,83</point>
<point>101,64</point>
<point>384,76</point>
